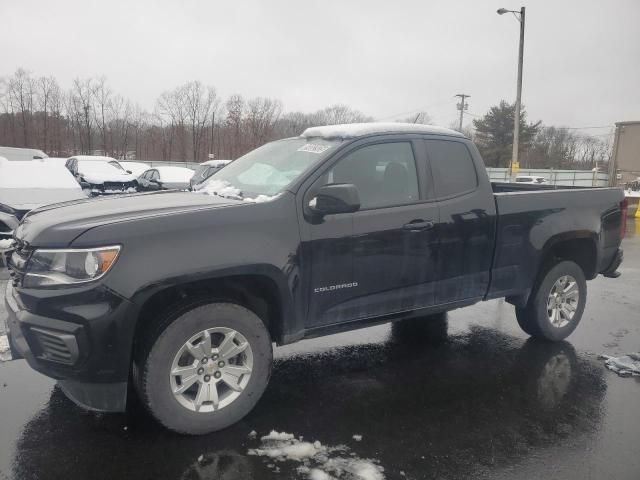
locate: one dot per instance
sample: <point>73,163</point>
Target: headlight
<point>49,268</point>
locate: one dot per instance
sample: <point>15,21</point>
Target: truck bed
<point>532,218</point>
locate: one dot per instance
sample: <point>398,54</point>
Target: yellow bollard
<point>637,210</point>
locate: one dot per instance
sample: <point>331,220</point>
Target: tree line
<point>188,123</point>
<point>192,122</point>
<point>541,146</point>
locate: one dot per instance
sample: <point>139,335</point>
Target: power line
<point>435,104</point>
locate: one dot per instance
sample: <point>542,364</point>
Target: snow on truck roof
<point>353,130</point>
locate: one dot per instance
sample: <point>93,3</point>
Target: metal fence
<point>576,178</point>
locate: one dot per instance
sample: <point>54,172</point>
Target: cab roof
<point>354,130</point>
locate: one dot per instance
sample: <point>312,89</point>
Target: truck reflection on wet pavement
<point>468,396</point>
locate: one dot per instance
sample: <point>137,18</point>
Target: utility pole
<point>515,164</point>
<point>516,119</point>
<point>462,106</point>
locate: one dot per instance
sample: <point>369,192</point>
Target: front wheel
<point>206,368</point>
<point>556,304</point>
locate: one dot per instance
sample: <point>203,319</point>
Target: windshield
<point>270,169</point>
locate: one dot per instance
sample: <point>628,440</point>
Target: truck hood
<point>58,225</point>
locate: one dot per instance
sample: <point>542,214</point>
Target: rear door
<point>467,220</point>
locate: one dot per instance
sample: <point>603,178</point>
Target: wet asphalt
<point>467,397</point>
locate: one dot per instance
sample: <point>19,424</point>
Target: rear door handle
<point>418,225</point>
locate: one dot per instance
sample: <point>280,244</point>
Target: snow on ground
<point>318,461</point>
<point>357,438</point>
<point>6,243</point>
<point>625,366</point>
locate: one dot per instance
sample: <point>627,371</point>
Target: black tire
<point>534,319</point>
<point>155,357</point>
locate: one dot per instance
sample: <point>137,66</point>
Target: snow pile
<point>5,350</point>
<point>318,462</point>
<point>36,174</point>
<point>137,168</point>
<point>357,438</point>
<point>98,172</point>
<point>6,243</point>
<point>216,163</point>
<point>222,188</point>
<point>625,366</point>
<point>175,174</point>
<point>352,130</point>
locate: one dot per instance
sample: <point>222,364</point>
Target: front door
<point>381,259</point>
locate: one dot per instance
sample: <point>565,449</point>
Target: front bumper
<point>81,338</point>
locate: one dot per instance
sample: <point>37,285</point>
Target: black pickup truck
<point>182,294</point>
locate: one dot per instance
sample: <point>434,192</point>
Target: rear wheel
<point>206,368</point>
<point>557,303</point>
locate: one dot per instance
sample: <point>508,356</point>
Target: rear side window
<point>452,167</point>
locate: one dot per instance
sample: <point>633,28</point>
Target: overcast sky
<point>385,58</point>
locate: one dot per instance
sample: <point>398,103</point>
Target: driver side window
<point>384,174</point>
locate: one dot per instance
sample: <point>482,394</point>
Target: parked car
<point>205,170</point>
<point>530,179</point>
<point>165,178</point>
<point>21,154</point>
<point>342,227</point>
<point>25,185</point>
<point>135,168</point>
<point>101,175</point>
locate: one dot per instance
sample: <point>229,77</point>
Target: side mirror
<point>129,171</point>
<point>84,185</point>
<point>336,198</point>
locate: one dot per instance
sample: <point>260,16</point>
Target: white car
<point>135,168</point>
<point>165,178</point>
<point>29,184</point>
<point>530,179</point>
<point>21,154</point>
<point>101,175</point>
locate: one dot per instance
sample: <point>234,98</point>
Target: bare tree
<point>200,101</point>
<point>262,114</point>
<point>21,94</point>
<point>235,112</point>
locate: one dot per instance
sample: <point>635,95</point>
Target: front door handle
<point>418,225</point>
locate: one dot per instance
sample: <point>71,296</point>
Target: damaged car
<point>101,175</point>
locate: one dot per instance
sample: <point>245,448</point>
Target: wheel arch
<point>579,247</point>
<point>262,289</point>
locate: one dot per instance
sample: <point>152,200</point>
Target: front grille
<point>16,260</point>
<point>117,186</point>
<point>56,347</point>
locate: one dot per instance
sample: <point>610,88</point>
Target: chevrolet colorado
<point>182,294</point>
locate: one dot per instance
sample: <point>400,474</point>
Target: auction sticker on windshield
<point>314,148</point>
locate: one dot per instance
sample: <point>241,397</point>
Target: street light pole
<point>516,118</point>
<point>516,121</point>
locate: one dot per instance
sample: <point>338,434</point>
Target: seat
<point>395,184</point>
